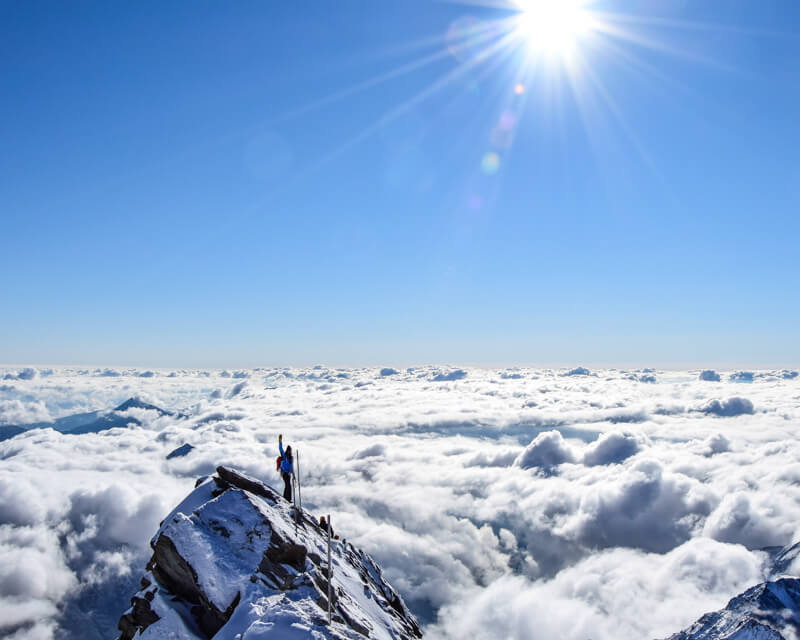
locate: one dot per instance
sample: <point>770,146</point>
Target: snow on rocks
<point>231,562</point>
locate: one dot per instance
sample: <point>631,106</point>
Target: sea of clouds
<point>511,503</point>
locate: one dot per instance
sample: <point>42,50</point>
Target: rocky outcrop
<point>768,611</point>
<point>181,451</point>
<point>234,557</point>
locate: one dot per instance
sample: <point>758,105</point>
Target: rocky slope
<point>231,562</point>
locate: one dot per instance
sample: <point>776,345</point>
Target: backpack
<point>278,463</point>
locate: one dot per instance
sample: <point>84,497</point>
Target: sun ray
<point>684,25</point>
<point>499,46</point>
<point>617,32</point>
<point>427,92</point>
<point>556,69</point>
<point>477,35</point>
<point>619,117</point>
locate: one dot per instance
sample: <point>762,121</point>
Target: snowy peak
<point>768,611</point>
<point>92,422</point>
<point>137,403</point>
<point>231,561</point>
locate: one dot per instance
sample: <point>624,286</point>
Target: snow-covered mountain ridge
<point>92,422</point>
<point>768,611</point>
<point>231,562</point>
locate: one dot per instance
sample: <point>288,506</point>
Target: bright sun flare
<point>553,26</point>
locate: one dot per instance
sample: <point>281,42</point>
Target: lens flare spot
<point>490,163</point>
<point>463,38</point>
<point>507,121</point>
<point>519,89</point>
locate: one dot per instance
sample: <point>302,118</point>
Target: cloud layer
<point>566,504</point>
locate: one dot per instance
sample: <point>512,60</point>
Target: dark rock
<point>181,451</point>
<point>286,553</point>
<point>139,616</point>
<point>230,478</point>
<point>172,571</point>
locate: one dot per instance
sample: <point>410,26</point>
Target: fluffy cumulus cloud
<point>728,408</point>
<point>716,443</point>
<point>612,448</point>
<point>28,373</point>
<point>614,594</point>
<point>514,503</point>
<point>16,411</point>
<point>449,376</point>
<point>546,452</point>
<point>34,577</point>
<point>577,371</point>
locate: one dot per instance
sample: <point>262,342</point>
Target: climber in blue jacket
<point>286,468</point>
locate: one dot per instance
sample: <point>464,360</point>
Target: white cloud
<point>422,474</point>
<point>34,578</point>
<point>578,371</point>
<point>615,594</point>
<point>738,520</point>
<point>450,376</point>
<point>546,451</point>
<point>612,448</point>
<point>728,408</point>
<point>716,443</point>
<point>18,412</point>
<point>28,373</point>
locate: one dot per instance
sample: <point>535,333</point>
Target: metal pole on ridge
<point>294,496</point>
<point>299,494</point>
<point>330,569</point>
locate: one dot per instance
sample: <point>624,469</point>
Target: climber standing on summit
<point>286,468</point>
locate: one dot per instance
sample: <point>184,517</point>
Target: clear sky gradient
<point>398,181</point>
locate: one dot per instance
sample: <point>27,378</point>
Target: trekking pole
<point>294,499</point>
<point>330,570</point>
<point>299,493</point>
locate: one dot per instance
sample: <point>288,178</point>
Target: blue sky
<point>257,183</point>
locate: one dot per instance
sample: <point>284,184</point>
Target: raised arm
<point>280,444</point>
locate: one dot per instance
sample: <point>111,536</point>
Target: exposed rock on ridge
<point>230,562</point>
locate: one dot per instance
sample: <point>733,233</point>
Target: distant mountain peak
<point>136,402</point>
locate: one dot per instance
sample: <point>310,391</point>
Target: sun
<point>553,27</point>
